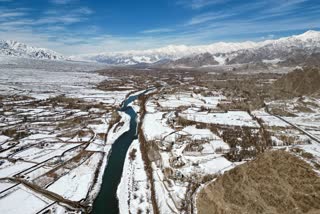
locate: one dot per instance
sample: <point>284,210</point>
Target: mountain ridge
<point>283,51</point>
<point>308,40</point>
<point>17,49</point>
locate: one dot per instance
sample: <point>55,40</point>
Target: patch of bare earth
<point>276,182</point>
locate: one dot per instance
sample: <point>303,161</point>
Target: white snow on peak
<point>17,49</point>
<point>311,34</point>
<point>309,39</point>
<point>171,52</point>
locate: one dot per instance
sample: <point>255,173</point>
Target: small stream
<point>107,201</point>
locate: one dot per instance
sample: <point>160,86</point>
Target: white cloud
<point>74,11</point>
<point>65,20</point>
<point>198,4</point>
<point>55,28</point>
<point>157,30</point>
<point>11,14</point>
<point>270,36</point>
<point>208,17</point>
<point>62,1</point>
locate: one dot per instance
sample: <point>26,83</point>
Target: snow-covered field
<point>230,118</point>
<point>270,120</point>
<point>54,141</point>
<point>305,114</point>
<point>53,123</point>
<point>76,184</point>
<point>154,127</point>
<point>189,99</point>
<point>21,200</point>
<point>42,84</point>
<point>188,153</point>
<point>133,191</point>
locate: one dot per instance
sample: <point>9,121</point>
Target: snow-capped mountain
<point>281,49</point>
<point>171,52</point>
<point>223,53</point>
<point>14,48</point>
<point>289,50</point>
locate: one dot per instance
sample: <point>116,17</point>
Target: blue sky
<point>81,27</point>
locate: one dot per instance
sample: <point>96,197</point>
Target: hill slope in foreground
<point>276,182</point>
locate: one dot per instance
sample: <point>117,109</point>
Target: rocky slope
<point>276,182</point>
<point>299,82</point>
<point>14,48</point>
<point>296,50</point>
<point>293,50</point>
<point>200,60</point>
<point>300,50</point>
<point>171,52</point>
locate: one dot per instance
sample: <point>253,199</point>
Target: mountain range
<point>17,49</point>
<point>293,50</point>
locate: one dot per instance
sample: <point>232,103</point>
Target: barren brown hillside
<point>276,182</point>
<point>300,82</point>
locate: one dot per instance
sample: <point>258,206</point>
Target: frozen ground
<point>230,118</point>
<point>58,145</point>
<point>192,140</point>
<point>133,190</point>
<point>186,154</point>
<point>53,123</point>
<point>44,79</point>
<point>76,184</point>
<point>43,84</point>
<point>12,201</point>
<point>8,62</point>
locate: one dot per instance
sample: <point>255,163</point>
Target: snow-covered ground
<point>56,144</point>
<point>178,162</point>
<point>21,200</point>
<point>230,118</point>
<point>60,145</point>
<point>189,99</point>
<point>133,191</point>
<point>154,127</point>
<point>116,131</point>
<point>184,153</point>
<point>270,120</point>
<point>305,113</point>
<point>75,185</point>
<point>43,84</point>
<point>8,168</point>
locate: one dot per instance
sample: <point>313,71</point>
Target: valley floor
<point>57,130</point>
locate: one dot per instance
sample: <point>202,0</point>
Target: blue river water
<point>107,201</point>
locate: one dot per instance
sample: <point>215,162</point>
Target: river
<point>107,201</point>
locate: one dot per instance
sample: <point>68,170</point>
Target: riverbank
<point>107,197</point>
